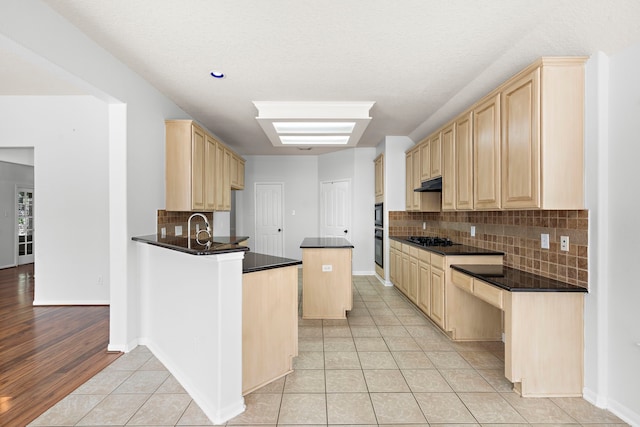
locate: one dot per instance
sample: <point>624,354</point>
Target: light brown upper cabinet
<point>198,171</point>
<point>448,167</point>
<point>416,201</point>
<point>237,172</point>
<point>486,154</point>
<point>464,162</point>
<point>185,166</point>
<point>379,178</point>
<point>223,178</point>
<point>542,136</point>
<point>436,155</point>
<point>425,160</point>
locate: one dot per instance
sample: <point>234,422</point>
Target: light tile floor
<point>386,364</point>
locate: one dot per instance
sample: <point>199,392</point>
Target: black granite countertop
<point>254,262</point>
<point>452,250</point>
<point>325,242</point>
<point>216,245</point>
<point>514,280</point>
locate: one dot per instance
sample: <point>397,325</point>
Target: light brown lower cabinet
<point>326,283</point>
<point>269,325</point>
<point>426,281</point>
<point>543,336</point>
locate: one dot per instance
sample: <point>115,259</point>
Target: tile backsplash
<point>170,219</point>
<point>516,233</point>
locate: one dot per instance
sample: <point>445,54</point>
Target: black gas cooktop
<point>431,241</point>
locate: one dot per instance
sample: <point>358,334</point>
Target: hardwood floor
<point>45,352</point>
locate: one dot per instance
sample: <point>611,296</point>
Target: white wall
<point>20,156</point>
<point>299,174</point>
<point>623,200</point>
<point>11,175</point>
<point>71,186</point>
<point>134,127</point>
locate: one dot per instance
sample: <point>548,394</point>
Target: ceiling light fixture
<point>315,140</point>
<point>217,74</point>
<point>330,124</point>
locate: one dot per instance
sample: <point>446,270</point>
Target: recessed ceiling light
<point>217,74</point>
<point>315,140</point>
<point>314,127</point>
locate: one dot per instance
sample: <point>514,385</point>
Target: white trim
<point>363,273</point>
<point>70,302</point>
<point>16,257</point>
<point>626,414</point>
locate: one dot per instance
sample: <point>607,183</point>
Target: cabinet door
<point>464,162</point>
<point>412,286</point>
<point>241,174</point>
<point>437,296</point>
<point>521,143</point>
<point>415,171</point>
<point>435,145</point>
<point>424,287</point>
<point>210,174</point>
<point>226,172</point>
<point>425,160</point>
<point>237,172</point>
<point>409,182</point>
<point>392,265</point>
<point>406,273</point>
<point>198,158</point>
<point>486,154</point>
<point>223,187</point>
<point>448,168</point>
<point>379,178</point>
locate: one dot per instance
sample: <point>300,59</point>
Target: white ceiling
<point>409,56</point>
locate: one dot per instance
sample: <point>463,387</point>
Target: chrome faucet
<point>208,230</point>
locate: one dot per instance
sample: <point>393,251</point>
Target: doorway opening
<point>25,242</point>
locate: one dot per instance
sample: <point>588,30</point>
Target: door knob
<point>279,230</point>
<point>346,231</point>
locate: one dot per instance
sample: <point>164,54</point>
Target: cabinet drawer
<point>437,261</point>
<point>396,245</point>
<point>414,252</point>
<point>406,249</point>
<point>425,256</point>
<point>487,293</point>
<point>462,280</point>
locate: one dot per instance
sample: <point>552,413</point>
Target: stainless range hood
<point>431,185</point>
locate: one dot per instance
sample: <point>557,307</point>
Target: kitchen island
<point>543,326</point>
<point>192,302</point>
<point>326,278</point>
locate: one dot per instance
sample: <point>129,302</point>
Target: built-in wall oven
<point>379,215</point>
<point>379,247</point>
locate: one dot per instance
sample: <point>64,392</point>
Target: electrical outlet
<point>424,225</point>
<point>544,241</point>
<point>473,231</point>
<point>178,230</point>
<point>327,267</point>
<point>163,232</point>
<point>564,243</point>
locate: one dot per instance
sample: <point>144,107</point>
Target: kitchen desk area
<point>326,277</point>
<point>543,326</point>
<point>202,297</point>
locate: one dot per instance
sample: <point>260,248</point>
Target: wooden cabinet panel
<point>412,286</point>
<point>197,168</point>
<point>487,293</point>
<point>464,162</point>
<point>425,160</point>
<point>521,142</point>
<point>409,182</point>
<point>236,172</point>
<point>415,179</point>
<point>210,174</point>
<point>379,178</point>
<point>406,272</point>
<point>436,155</point>
<point>448,168</point>
<point>437,296</point>
<point>462,280</point>
<point>223,181</point>
<point>486,154</point>
<point>424,287</point>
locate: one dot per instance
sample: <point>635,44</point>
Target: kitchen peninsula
<point>204,296</point>
<point>326,277</point>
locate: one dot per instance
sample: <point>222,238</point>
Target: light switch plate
<point>544,241</point>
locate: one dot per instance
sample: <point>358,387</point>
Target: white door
<point>24,222</point>
<point>269,230</point>
<point>335,209</point>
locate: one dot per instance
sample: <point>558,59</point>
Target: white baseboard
<point>7,266</point>
<point>71,302</point>
<point>124,348</point>
<point>363,273</point>
<point>621,411</point>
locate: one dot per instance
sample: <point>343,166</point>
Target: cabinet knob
<point>346,231</point>
<point>279,230</point>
